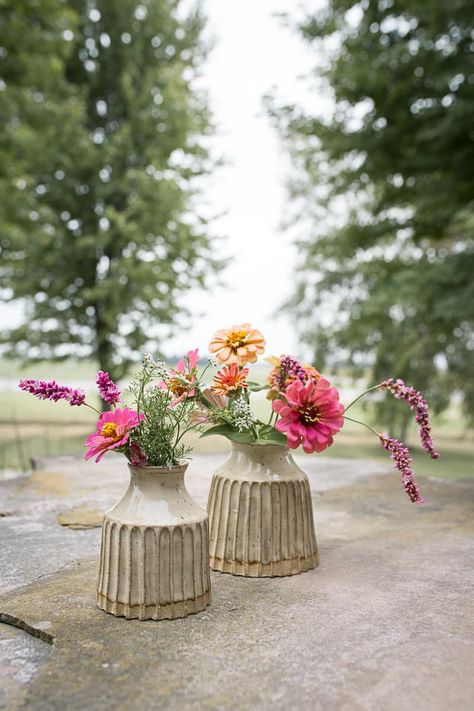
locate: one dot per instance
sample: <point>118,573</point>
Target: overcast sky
<point>253,54</point>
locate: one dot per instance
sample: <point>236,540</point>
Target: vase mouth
<point>151,469</point>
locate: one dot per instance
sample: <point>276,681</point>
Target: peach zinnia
<point>239,344</point>
<point>229,379</point>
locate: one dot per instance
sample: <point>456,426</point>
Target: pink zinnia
<point>113,430</point>
<point>309,415</point>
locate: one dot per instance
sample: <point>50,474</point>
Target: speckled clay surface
<point>260,514</point>
<point>154,551</point>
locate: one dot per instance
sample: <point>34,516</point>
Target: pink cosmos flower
<point>113,430</point>
<point>309,415</point>
<point>184,377</point>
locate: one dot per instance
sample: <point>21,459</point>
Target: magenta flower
<point>50,390</point>
<point>113,430</point>
<point>419,406</point>
<point>137,456</point>
<point>107,389</point>
<point>404,463</point>
<point>309,415</point>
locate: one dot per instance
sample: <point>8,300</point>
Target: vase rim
<point>182,466</point>
<point>258,444</point>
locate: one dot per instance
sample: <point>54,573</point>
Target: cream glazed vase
<point>154,554</point>
<point>260,514</point>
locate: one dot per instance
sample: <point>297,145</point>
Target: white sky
<point>253,54</point>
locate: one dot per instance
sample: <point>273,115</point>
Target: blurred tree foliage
<point>384,189</point>
<point>101,148</point>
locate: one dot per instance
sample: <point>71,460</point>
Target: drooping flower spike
<point>113,430</point>
<point>50,390</point>
<point>309,415</point>
<point>240,344</point>
<point>404,463</point>
<point>419,406</point>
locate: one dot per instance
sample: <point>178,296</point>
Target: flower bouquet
<point>261,520</point>
<point>154,560</point>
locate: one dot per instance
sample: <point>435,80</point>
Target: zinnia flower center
<point>236,339</point>
<point>309,413</point>
<point>177,386</point>
<point>109,430</point>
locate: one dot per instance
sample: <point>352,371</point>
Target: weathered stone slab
<point>386,621</point>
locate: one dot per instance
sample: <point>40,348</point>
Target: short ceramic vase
<point>260,514</point>
<point>154,558</point>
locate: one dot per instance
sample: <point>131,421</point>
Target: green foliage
<point>101,156</point>
<point>383,191</point>
<point>160,434</point>
<point>261,434</point>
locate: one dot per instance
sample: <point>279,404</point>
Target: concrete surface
<point>385,622</point>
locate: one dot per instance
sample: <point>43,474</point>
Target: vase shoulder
<point>261,463</point>
<point>157,496</point>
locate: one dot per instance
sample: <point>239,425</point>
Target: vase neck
<point>166,477</point>
<point>261,462</point>
<point>259,453</point>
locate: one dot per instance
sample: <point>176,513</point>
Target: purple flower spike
<point>290,367</point>
<point>50,390</point>
<point>404,463</point>
<point>107,388</point>
<point>419,406</point>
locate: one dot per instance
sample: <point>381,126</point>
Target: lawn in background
<point>30,428</point>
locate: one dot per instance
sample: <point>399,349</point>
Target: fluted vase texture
<point>155,548</point>
<point>260,514</point>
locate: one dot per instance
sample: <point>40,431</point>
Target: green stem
<point>358,422</point>
<point>374,387</point>
<point>92,408</point>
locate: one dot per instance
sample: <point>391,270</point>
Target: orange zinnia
<point>229,379</point>
<point>238,344</point>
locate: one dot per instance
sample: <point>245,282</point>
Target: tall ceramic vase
<point>260,514</point>
<point>155,548</point>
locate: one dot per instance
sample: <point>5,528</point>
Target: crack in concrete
<point>20,624</point>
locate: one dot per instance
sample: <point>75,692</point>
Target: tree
<point>101,154</point>
<point>384,190</point>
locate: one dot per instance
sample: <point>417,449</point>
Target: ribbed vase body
<point>261,515</point>
<point>155,547</point>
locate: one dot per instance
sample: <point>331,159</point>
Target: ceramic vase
<point>154,558</point>
<point>260,514</point>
